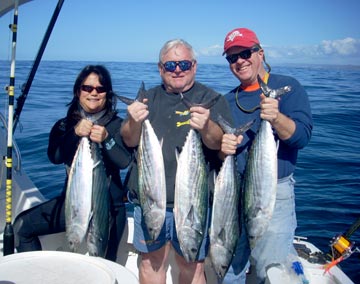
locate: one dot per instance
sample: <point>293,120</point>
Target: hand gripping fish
<point>151,180</point>
<point>260,179</point>
<point>225,223</point>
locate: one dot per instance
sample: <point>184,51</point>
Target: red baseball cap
<point>240,37</point>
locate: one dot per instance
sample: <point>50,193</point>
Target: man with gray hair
<point>172,120</point>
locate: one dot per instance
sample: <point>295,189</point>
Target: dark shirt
<point>294,104</point>
<point>63,143</point>
<point>169,117</point>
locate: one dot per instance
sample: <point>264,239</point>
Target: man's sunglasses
<point>89,89</point>
<point>170,66</point>
<point>245,54</point>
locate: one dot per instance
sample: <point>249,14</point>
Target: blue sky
<point>301,32</point>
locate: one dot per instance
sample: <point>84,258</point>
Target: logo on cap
<point>233,35</point>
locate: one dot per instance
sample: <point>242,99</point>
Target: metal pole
<point>26,87</point>
<point>8,231</point>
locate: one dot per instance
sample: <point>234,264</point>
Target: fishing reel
<point>341,246</point>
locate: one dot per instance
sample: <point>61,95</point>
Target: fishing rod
<point>26,86</point>
<point>9,231</point>
<point>353,228</point>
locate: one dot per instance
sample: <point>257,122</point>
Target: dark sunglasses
<point>89,89</point>
<point>245,54</point>
<point>184,65</point>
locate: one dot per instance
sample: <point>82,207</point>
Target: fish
<point>78,200</point>
<point>191,196</point>
<point>260,178</point>
<point>151,174</point>
<point>99,226</point>
<point>191,200</point>
<point>225,226</point>
<point>152,185</point>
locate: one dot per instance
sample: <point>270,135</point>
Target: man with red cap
<point>291,121</point>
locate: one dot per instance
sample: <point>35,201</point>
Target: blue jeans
<point>278,238</point>
<point>280,234</point>
<point>142,240</point>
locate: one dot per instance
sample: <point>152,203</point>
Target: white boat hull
<point>128,258</point>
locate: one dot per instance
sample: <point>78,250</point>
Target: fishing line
<point>251,110</point>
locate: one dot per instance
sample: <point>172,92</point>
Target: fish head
<point>190,241</point>
<point>154,220</point>
<point>220,259</point>
<point>75,237</point>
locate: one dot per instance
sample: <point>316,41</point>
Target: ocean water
<point>328,169</point>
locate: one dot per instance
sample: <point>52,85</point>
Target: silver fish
<point>98,232</point>
<point>225,226</point>
<point>261,175</point>
<point>152,186</point>
<point>79,195</point>
<point>191,196</point>
<point>151,177</point>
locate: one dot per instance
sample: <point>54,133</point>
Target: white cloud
<point>346,46</point>
<point>340,51</point>
<point>213,50</point>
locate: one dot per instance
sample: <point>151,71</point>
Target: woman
<point>91,113</point>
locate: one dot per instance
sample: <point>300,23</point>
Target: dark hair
<point>105,80</point>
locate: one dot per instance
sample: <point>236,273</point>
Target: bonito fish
<point>191,196</point>
<point>98,232</point>
<point>151,174</point>
<point>261,175</point>
<point>152,186</point>
<point>224,226</point>
<point>79,195</point>
<point>191,191</point>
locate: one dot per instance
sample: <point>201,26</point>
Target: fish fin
<point>222,235</point>
<point>245,127</point>
<point>208,104</point>
<point>141,95</point>
<point>264,88</point>
<point>190,216</point>
<point>224,124</point>
<point>177,153</point>
<point>193,221</point>
<point>212,190</point>
<point>126,100</point>
<point>272,93</point>
<point>279,92</point>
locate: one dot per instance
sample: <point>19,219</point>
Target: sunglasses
<point>89,89</point>
<point>245,54</point>
<point>184,65</point>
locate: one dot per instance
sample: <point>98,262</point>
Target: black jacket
<point>63,143</point>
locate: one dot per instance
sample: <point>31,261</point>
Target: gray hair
<point>173,44</point>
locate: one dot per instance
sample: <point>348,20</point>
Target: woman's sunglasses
<point>89,89</point>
